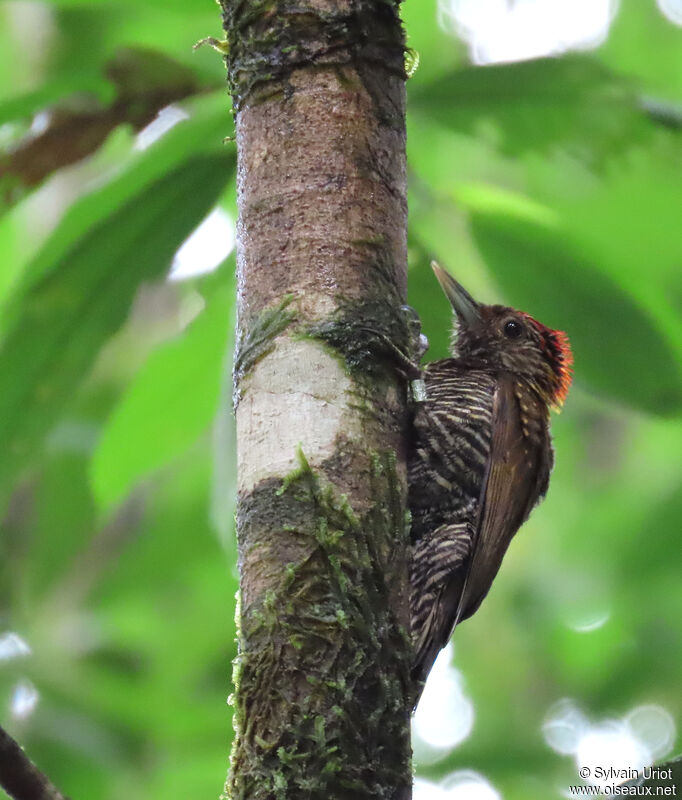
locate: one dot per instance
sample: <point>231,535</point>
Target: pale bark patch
<point>296,396</point>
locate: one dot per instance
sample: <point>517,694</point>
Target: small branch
<point>20,777</point>
<point>145,83</point>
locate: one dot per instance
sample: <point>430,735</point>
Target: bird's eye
<point>512,329</point>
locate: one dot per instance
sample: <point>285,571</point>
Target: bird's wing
<point>436,589</point>
<point>516,478</point>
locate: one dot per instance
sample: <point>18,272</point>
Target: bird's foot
<point>417,345</point>
<point>405,362</point>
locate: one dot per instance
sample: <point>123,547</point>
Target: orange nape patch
<point>559,354</point>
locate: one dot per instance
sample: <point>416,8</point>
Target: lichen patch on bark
<point>297,380</point>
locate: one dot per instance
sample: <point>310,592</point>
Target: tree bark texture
<point>322,677</point>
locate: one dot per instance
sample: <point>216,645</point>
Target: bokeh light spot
<point>469,785</point>
<point>464,784</point>
<point>445,715</point>
<point>24,699</point>
<point>644,734</point>
<point>206,248</point>
<point>13,646</point>
<point>589,621</point>
<point>500,31</point>
<point>609,744</point>
<point>564,724</point>
<point>166,119</point>
<point>654,727</point>
<point>671,9</point>
<point>426,790</point>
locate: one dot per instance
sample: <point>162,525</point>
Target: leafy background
<point>550,184</point>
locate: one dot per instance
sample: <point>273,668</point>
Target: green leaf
<point>620,349</point>
<point>172,400</point>
<point>202,132</point>
<point>630,220</point>
<point>643,43</point>
<point>572,102</point>
<point>84,290</point>
<point>24,105</point>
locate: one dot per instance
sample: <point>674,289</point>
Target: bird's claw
<point>405,361</point>
<point>418,344</point>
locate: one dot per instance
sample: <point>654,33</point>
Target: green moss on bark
<point>268,39</point>
<point>258,339</point>
<point>323,675</point>
<point>373,337</point>
<point>357,331</point>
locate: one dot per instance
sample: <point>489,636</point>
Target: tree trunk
<point>322,676</point>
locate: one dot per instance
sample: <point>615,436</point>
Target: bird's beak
<point>466,308</point>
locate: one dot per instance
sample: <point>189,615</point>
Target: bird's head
<point>510,341</point>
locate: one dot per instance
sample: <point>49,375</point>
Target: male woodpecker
<point>479,459</point>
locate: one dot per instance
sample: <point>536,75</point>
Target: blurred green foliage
<point>547,184</point>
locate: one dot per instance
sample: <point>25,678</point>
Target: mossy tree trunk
<point>321,697</point>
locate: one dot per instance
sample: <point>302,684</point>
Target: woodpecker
<point>480,458</point>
